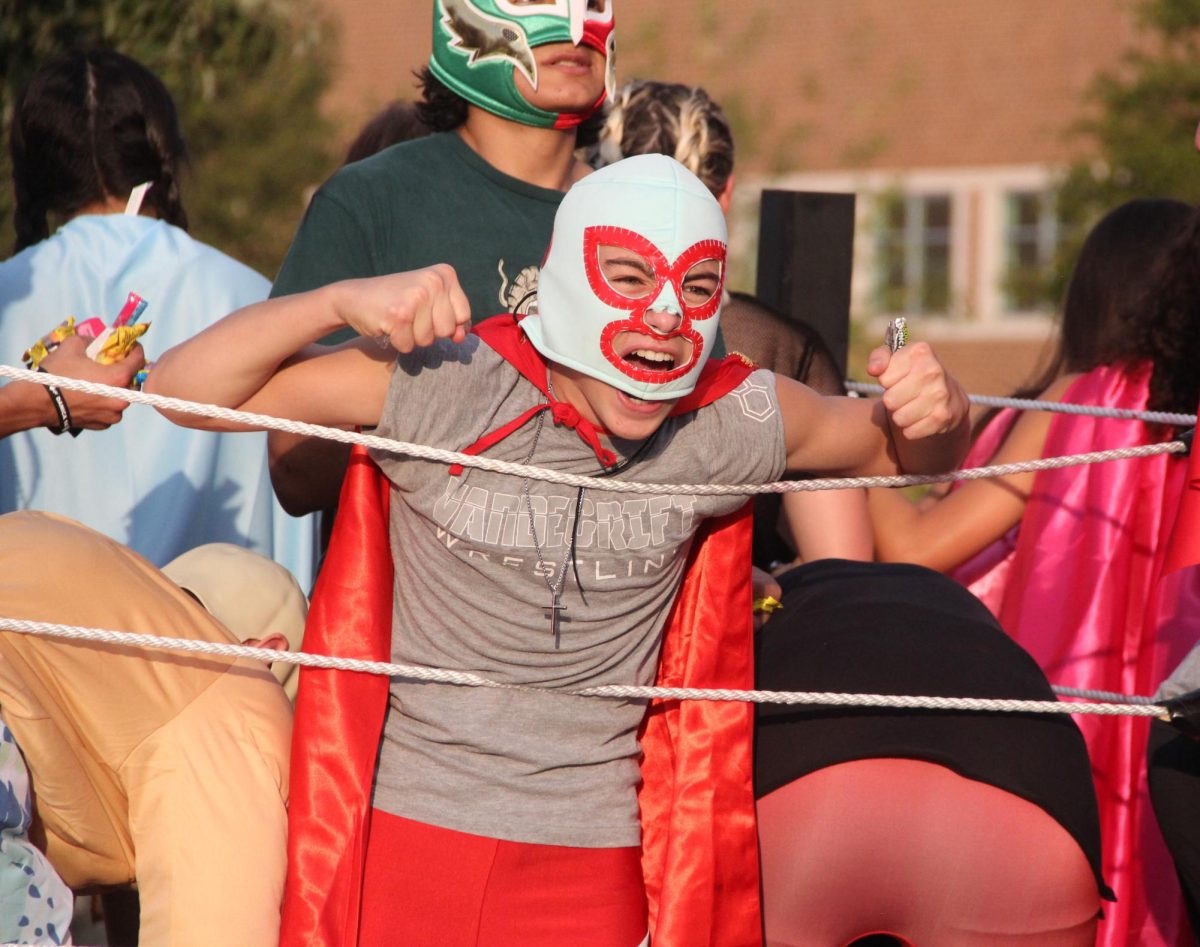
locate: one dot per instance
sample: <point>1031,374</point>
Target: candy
<point>114,344</point>
<point>767,604</point>
<point>131,312</point>
<point>32,357</point>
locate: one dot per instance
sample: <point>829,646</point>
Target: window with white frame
<point>913,253</point>
<point>1032,232</point>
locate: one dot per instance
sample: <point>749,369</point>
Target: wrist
<point>337,305</point>
<point>62,422</point>
<point>24,406</point>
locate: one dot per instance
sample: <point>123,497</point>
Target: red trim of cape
<point>700,854</point>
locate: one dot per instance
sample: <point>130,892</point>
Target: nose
<point>662,321</point>
<point>665,314</point>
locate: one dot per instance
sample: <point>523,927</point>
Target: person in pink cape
<point>1070,560</point>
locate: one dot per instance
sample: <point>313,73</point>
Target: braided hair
<point>666,118</point>
<point>90,126</point>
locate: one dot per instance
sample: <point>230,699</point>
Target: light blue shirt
<point>158,488</point>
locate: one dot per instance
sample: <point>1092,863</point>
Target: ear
<point>725,198</point>
<point>275,641</point>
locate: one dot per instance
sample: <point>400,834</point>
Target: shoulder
<point>219,261</point>
<point>739,436</point>
<point>396,165</point>
<point>465,368</point>
<point>1058,390</point>
<point>212,272</point>
<point>754,399</point>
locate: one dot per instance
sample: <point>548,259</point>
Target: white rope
<point>615,691</point>
<point>592,483</point>
<point>1087,694</point>
<point>1058,407</point>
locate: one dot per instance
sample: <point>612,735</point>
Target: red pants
<point>426,885</point>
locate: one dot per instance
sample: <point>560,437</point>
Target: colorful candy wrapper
<point>114,344</point>
<point>767,604</point>
<point>32,357</point>
<point>131,312</point>
<point>90,328</point>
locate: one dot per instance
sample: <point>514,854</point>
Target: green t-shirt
<point>432,200</point>
<point>422,202</point>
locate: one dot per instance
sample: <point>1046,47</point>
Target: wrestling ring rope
<point>592,483</point>
<point>1135,707</point>
<point>1108,704</point>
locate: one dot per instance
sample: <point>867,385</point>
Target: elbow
<point>306,473</point>
<point>894,551</point>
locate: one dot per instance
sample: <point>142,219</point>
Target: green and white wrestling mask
<point>631,289</point>
<point>478,43</point>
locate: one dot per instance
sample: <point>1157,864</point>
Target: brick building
<point>947,118</point>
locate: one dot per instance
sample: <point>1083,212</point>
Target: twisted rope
<point>1132,707</point>
<point>1087,694</point>
<point>613,484</point>
<point>1058,407</point>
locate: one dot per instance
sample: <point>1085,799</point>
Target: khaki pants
<point>165,768</point>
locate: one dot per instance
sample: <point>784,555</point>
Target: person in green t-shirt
<point>509,93</point>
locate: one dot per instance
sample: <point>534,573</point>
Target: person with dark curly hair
<point>510,91</point>
<point>1071,560</point>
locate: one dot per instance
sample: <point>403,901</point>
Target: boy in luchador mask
<point>510,92</point>
<point>511,816</point>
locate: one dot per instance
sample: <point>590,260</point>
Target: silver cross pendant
<point>553,611</point>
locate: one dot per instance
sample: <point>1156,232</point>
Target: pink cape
<point>1081,587</point>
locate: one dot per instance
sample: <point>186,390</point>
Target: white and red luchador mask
<point>631,289</point>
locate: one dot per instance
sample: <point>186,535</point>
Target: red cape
<point>700,854</point>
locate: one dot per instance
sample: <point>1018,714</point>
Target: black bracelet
<point>61,409</point>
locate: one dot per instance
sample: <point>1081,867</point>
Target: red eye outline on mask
<point>664,272</point>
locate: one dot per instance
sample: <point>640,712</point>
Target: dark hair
<point>397,122</point>
<point>444,110</point>
<point>88,126</point>
<point>1170,334</point>
<point>440,108</point>
<point>1131,296</point>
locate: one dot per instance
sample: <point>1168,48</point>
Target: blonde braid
<point>647,117</point>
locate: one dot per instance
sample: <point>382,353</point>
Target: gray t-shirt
<point>472,595</point>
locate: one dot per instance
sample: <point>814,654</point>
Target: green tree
<point>1141,127</point>
<point>246,76</point>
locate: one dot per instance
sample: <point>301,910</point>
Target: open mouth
<point>649,360</point>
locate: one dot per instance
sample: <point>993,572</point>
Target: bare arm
<point>947,532</point>
<point>26,405</point>
<point>262,359</point>
<point>920,425</point>
<point>829,524</point>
